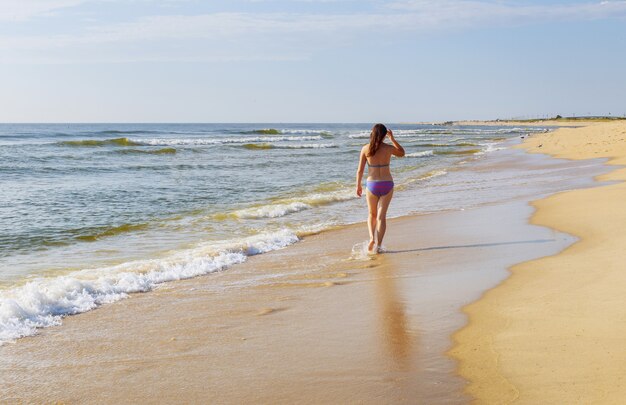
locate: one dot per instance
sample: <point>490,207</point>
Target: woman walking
<point>377,155</point>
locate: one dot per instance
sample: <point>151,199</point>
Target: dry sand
<point>553,333</point>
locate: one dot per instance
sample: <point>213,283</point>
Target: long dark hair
<point>376,138</point>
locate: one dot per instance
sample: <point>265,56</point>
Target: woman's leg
<point>382,216</point>
<point>372,207</point>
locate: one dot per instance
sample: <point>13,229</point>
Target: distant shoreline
<point>561,122</point>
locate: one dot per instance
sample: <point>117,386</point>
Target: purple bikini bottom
<point>379,187</point>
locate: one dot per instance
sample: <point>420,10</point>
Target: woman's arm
<point>397,150</point>
<point>359,172</point>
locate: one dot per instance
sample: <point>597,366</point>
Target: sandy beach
<point>320,329</point>
<point>180,223</point>
<point>317,322</point>
<point>552,332</point>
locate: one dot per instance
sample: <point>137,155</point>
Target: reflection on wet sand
<point>395,326</point>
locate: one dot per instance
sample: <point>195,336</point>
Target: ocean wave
<point>458,152</point>
<point>420,154</point>
<point>93,234</point>
<point>115,131</point>
<point>490,147</point>
<point>407,168</point>
<point>434,173</point>
<point>445,145</point>
<point>271,210</point>
<point>359,136</point>
<point>366,135</point>
<point>412,133</point>
<point>423,131</point>
<point>222,140</point>
<point>162,151</point>
<point>44,301</point>
<point>435,145</point>
<point>324,134</point>
<point>519,130</point>
<point>325,197</point>
<point>285,206</point>
<point>307,146</point>
<point>264,131</point>
<point>422,177</point>
<point>287,131</point>
<point>100,142</point>
<point>406,133</point>
<point>254,146</point>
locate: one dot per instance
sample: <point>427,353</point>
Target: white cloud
<point>21,10</point>
<point>469,10</point>
<point>24,10</point>
<point>277,35</point>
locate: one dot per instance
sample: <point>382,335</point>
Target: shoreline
<point>548,122</point>
<point>551,332</point>
<point>324,329</point>
<point>401,341</point>
<point>128,245</point>
<point>551,122</point>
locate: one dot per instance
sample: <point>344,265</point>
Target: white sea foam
<point>220,140</point>
<point>360,252</point>
<point>287,131</point>
<point>288,206</point>
<point>43,302</point>
<point>424,153</point>
<point>520,130</point>
<point>359,135</point>
<point>305,131</point>
<point>322,198</point>
<point>271,211</point>
<point>307,146</point>
<point>397,134</point>
<point>490,147</point>
<point>409,133</point>
<point>434,173</point>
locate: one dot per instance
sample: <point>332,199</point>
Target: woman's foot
<point>370,246</point>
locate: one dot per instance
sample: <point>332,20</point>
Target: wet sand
<point>311,323</point>
<point>554,331</point>
<point>294,326</point>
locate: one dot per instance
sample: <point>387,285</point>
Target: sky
<point>309,60</point>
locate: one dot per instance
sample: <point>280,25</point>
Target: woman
<point>377,155</point>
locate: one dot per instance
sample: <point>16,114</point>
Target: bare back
<point>382,157</point>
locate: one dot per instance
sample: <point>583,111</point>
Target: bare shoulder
<point>365,148</point>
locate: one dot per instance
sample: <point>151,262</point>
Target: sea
<point>90,213</point>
